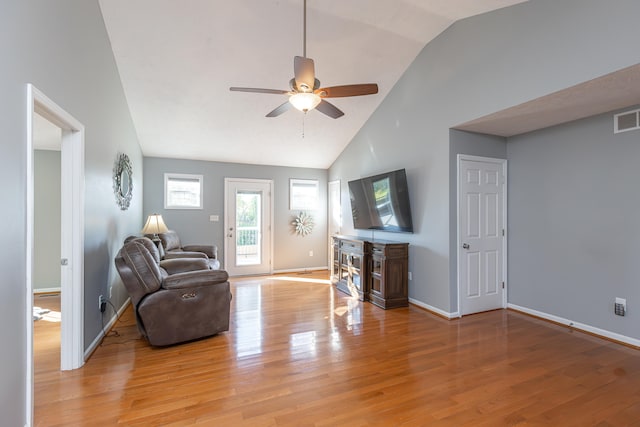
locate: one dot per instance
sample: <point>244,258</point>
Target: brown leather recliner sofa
<point>172,248</point>
<point>175,300</point>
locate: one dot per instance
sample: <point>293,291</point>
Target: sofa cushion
<point>170,240</point>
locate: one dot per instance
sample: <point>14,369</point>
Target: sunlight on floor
<point>302,279</point>
<point>46,315</point>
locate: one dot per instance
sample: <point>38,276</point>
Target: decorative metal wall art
<point>123,181</point>
<point>303,224</point>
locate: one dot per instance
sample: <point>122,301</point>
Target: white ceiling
<point>177,60</point>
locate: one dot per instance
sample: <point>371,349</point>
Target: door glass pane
<point>376,266</point>
<point>248,233</point>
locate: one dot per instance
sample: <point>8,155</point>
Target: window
<point>182,191</point>
<point>303,194</point>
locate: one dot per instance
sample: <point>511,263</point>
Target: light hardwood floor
<point>46,335</point>
<point>301,354</point>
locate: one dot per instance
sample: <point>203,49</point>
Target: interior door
<point>481,234</point>
<point>248,225</point>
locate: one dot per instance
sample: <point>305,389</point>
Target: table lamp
<point>155,225</point>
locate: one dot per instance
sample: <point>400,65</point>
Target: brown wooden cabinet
<point>375,271</point>
<point>388,274</point>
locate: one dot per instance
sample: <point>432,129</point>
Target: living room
<point>575,181</point>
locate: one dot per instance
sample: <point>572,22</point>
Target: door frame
<point>502,162</point>
<point>329,216</point>
<point>72,236</point>
<point>227,181</point>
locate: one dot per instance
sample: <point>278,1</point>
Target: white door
<point>335,215</point>
<point>248,213</point>
<point>481,213</point>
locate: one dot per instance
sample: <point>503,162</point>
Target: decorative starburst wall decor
<point>303,224</point>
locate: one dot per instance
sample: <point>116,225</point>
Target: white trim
<point>29,255</point>
<point>434,309</point>
<point>503,162</point>
<point>96,342</point>
<point>299,270</point>
<point>577,325</point>
<point>47,290</point>
<point>72,241</point>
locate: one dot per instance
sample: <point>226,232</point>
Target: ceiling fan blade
<point>258,90</point>
<point>329,109</point>
<point>348,90</point>
<point>304,72</point>
<point>280,109</point>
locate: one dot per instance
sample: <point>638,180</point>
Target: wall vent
<point>629,120</point>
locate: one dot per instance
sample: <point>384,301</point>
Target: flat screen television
<point>381,202</point>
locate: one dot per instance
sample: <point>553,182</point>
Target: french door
<point>481,224</point>
<point>248,225</point>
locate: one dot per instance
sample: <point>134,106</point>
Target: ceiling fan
<point>306,93</point>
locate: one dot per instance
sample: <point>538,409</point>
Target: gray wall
<point>63,49</point>
<point>573,223</point>
<point>46,228</point>
<point>290,250</point>
<point>478,66</point>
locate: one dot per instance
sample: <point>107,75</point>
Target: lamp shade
<point>155,224</point>
<point>304,101</point>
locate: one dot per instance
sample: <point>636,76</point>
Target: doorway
<point>248,226</point>
<point>47,144</point>
<point>335,216</point>
<point>71,235</point>
<point>481,234</point>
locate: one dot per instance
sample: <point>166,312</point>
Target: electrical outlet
<point>620,307</point>
<point>102,303</point>
<point>310,253</point>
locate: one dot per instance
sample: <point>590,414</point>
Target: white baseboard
<point>98,339</point>
<point>300,270</point>
<point>577,325</point>
<point>46,290</point>
<point>434,309</point>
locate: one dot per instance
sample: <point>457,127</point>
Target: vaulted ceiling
<point>177,60</point>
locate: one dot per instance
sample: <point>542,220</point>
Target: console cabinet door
<point>335,260</point>
<point>352,266</point>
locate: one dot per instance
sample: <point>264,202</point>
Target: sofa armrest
<point>210,250</point>
<point>182,254</point>
<point>193,279</point>
<point>180,265</point>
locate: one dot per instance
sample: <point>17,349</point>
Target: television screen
<point>381,202</point>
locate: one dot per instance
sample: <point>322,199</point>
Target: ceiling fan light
<point>305,101</point>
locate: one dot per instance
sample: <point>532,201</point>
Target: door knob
<point>465,246</point>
